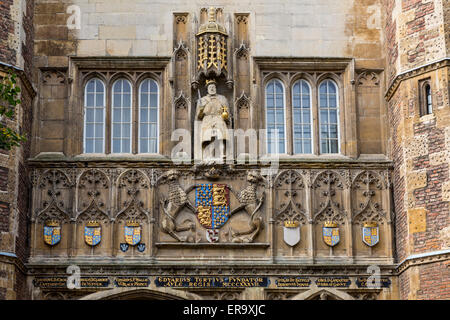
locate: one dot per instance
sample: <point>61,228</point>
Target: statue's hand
<point>201,114</point>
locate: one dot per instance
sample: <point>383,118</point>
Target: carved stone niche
<point>53,198</point>
<point>93,206</point>
<point>328,201</point>
<point>133,206</point>
<point>367,211</point>
<point>212,47</point>
<point>93,191</point>
<point>289,209</point>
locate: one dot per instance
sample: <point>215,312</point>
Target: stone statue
<point>212,111</point>
<point>250,203</point>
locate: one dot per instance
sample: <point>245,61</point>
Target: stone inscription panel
<point>211,282</point>
<point>292,282</point>
<point>61,282</point>
<point>361,282</point>
<point>132,281</point>
<point>336,282</point>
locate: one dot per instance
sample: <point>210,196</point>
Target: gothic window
<point>328,117</point>
<point>301,106</point>
<point>121,116</point>
<point>426,104</point>
<point>94,117</point>
<point>275,119</point>
<point>148,116</point>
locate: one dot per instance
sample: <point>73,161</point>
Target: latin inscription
<point>94,282</point>
<point>132,281</point>
<point>50,282</point>
<point>337,282</point>
<point>292,282</point>
<point>211,282</point>
<point>361,282</point>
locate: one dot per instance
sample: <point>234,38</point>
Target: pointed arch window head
<point>121,117</point>
<point>302,115</point>
<point>328,117</point>
<point>275,117</point>
<point>148,116</point>
<point>94,117</point>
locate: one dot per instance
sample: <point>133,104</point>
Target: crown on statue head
<point>132,223</point>
<point>92,223</point>
<point>370,224</point>
<point>291,224</point>
<point>210,81</point>
<point>52,223</point>
<point>330,224</point>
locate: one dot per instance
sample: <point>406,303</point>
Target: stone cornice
<point>149,267</point>
<point>420,259</point>
<point>22,76</point>
<point>303,63</point>
<point>121,62</point>
<point>445,62</point>
<point>162,162</point>
<point>11,258</point>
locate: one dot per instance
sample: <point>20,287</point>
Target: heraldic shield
<point>132,233</point>
<point>213,205</point>
<point>92,233</point>
<point>370,234</point>
<point>330,232</point>
<point>52,233</point>
<point>291,232</point>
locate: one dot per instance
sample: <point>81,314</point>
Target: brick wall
<point>434,281</point>
<point>421,35</point>
<point>7,54</point>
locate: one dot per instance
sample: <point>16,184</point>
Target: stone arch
<point>142,294</point>
<point>319,293</point>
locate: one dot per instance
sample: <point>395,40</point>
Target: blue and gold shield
<point>92,233</point>
<point>213,205</point>
<point>370,234</point>
<point>132,233</point>
<point>52,233</point>
<point>330,232</point>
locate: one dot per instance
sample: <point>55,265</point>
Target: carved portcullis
<point>212,47</point>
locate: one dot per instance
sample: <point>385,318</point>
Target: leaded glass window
<point>301,108</point>
<point>121,116</point>
<point>275,119</point>
<point>94,117</point>
<point>328,117</point>
<point>148,116</point>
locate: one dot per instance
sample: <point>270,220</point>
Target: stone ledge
<point>210,245</point>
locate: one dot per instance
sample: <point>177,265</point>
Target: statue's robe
<point>213,124</point>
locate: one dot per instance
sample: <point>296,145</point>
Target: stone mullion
<point>349,221</point>
<point>289,128</point>
<point>111,213</point>
<point>389,232</point>
<point>36,198</point>
<point>134,118</point>
<point>73,228</point>
<point>108,116</point>
<point>309,211</point>
<point>315,121</point>
<point>270,210</point>
<point>151,222</point>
